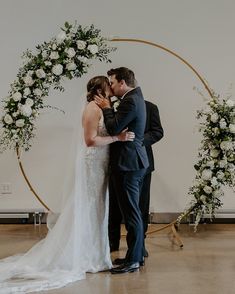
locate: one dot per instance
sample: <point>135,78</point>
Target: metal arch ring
<point>119,40</point>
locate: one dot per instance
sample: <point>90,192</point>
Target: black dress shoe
<point>129,267</point>
<point>119,261</point>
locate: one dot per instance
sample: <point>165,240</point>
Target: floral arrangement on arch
<point>216,165</point>
<point>66,56</point>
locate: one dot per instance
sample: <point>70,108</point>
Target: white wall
<point>200,31</point>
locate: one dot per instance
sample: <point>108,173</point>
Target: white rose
<point>61,37</point>
<point>44,54</point>
<point>26,110</point>
<point>222,123</point>
<point>29,102</point>
<point>115,105</point>
<point>14,114</point>
<point>8,119</point>
<point>206,174</point>
<point>226,145</point>
<point>207,189</point>
<point>57,69</point>
<point>230,103</point>
<point>20,123</point>
<point>214,117</point>
<point>40,73</point>
<point>210,163</point>
<point>48,63</point>
<point>220,175</point>
<point>17,96</point>
<point>83,59</point>
<point>27,92</point>
<point>214,182</point>
<point>70,52</point>
<point>232,128</point>
<point>37,92</point>
<point>28,80</point>
<point>54,55</point>
<point>214,153</point>
<point>93,49</point>
<point>54,46</point>
<point>71,66</point>
<point>81,44</point>
<point>231,167</point>
<point>223,163</point>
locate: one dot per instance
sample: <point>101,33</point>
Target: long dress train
<point>78,242</point>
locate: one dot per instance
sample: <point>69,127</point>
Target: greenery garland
<point>66,56</point>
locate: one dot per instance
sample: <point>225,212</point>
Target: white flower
<point>83,59</point>
<point>17,96</point>
<point>222,163</point>
<point>207,189</point>
<point>27,92</point>
<point>61,37</point>
<point>71,66</point>
<point>54,55</point>
<point>20,123</point>
<point>206,174</point>
<point>210,164</point>
<point>222,124</point>
<point>203,198</point>
<point>214,117</point>
<point>44,54</point>
<point>81,44</point>
<point>93,49</point>
<point>232,128</point>
<point>216,130</point>
<point>214,182</point>
<point>57,69</point>
<point>29,102</point>
<point>26,110</point>
<point>230,103</point>
<point>14,114</point>
<point>70,52</point>
<point>214,153</point>
<point>37,92</point>
<point>220,175</point>
<point>115,105</point>
<point>28,80</point>
<point>226,145</point>
<point>40,73</point>
<point>54,46</point>
<point>8,119</point>
<point>48,63</point>
<point>231,167</point>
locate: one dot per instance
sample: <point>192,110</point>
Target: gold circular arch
<point>172,224</point>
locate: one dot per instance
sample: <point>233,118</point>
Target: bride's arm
<point>91,118</point>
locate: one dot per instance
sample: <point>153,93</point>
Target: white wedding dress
<point>78,242</point>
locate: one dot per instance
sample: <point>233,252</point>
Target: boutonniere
<point>115,103</point>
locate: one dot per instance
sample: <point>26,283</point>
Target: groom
<point>128,160</point>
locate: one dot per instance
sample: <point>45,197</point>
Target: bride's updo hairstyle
<point>95,86</point>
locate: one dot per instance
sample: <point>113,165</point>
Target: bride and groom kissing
<point>79,242</point>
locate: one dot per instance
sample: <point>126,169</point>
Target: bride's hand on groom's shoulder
<point>102,102</point>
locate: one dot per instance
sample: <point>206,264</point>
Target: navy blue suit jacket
<point>131,114</point>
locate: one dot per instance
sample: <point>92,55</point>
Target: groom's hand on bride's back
<point>102,102</point>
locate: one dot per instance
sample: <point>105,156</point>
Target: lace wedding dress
<point>78,242</point>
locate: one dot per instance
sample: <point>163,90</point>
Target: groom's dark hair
<point>123,73</point>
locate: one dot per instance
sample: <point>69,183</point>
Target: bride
<point>78,242</point>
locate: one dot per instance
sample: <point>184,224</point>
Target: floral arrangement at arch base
<point>66,56</point>
<point>216,165</point>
